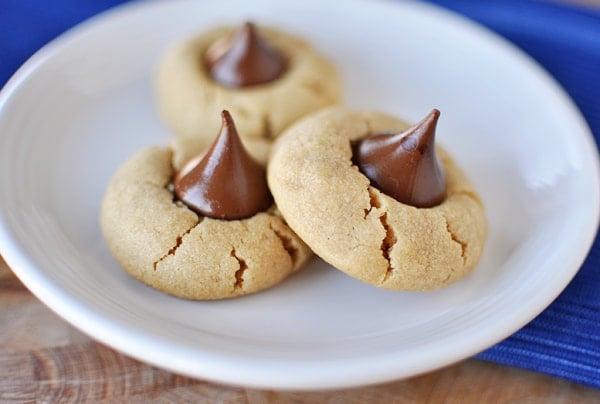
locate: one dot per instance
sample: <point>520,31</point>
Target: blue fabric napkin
<point>565,339</point>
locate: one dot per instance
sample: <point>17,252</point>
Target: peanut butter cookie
<point>208,232</point>
<point>321,190</point>
<point>267,79</point>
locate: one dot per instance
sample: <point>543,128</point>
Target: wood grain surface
<point>44,359</point>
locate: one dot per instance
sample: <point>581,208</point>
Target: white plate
<point>83,105</point>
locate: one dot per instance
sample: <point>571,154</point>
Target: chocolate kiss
<point>226,183</point>
<point>245,59</point>
<point>405,165</point>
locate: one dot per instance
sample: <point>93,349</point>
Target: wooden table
<point>42,358</point>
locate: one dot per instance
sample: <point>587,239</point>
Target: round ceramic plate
<point>82,105</point>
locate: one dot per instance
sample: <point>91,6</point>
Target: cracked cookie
<point>210,231</point>
<point>421,228</point>
<point>267,79</point>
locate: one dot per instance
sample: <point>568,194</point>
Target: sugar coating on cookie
<point>189,99</point>
<point>356,228</point>
<point>169,247</point>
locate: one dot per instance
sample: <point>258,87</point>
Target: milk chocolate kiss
<point>226,183</point>
<point>405,165</point>
<point>244,59</point>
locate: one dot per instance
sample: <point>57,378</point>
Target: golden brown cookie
<point>169,247</point>
<point>190,100</point>
<point>365,233</point>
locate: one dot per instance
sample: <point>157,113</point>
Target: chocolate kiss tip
<point>424,129</point>
<point>245,59</point>
<point>227,120</point>
<point>432,117</point>
<point>226,183</point>
<point>405,165</point>
<point>249,27</point>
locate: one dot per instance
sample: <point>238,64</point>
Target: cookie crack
<point>239,274</point>
<point>178,242</point>
<point>386,245</point>
<point>267,127</point>
<point>461,244</point>
<point>313,86</point>
<point>389,239</point>
<point>374,202</point>
<point>288,245</point>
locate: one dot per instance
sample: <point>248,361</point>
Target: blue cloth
<point>565,339</point>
